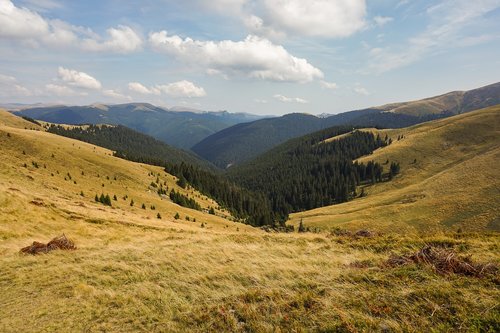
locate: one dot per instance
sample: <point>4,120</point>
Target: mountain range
<point>176,126</point>
<point>226,139</point>
<point>243,142</point>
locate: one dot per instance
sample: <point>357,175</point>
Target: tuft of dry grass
<point>445,261</point>
<point>57,243</point>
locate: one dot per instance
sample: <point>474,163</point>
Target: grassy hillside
<point>123,139</point>
<point>53,171</point>
<point>134,273</point>
<point>455,102</point>
<point>449,179</point>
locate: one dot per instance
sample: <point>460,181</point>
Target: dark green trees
<point>104,199</point>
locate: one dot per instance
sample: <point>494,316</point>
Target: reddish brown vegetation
<point>61,243</point>
<point>444,261</point>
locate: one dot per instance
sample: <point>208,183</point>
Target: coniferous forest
<point>249,207</point>
<point>301,174</point>
<point>308,172</point>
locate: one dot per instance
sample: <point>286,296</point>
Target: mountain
<point>455,102</point>
<point>313,171</point>
<point>133,272</point>
<point>125,141</point>
<point>448,179</point>
<point>243,142</point>
<point>180,129</point>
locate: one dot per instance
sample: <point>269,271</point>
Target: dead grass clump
<point>60,242</point>
<point>347,233</point>
<point>444,261</point>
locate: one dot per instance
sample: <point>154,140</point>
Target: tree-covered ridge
<point>127,141</point>
<point>247,206</point>
<point>307,173</point>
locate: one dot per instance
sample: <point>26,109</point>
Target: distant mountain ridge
<point>243,142</point>
<point>175,126</point>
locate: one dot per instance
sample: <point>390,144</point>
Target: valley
<point>137,272</point>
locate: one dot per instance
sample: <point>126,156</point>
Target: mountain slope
<point>310,171</point>
<point>245,141</point>
<point>449,179</point>
<point>132,272</point>
<point>455,102</point>
<point>120,139</point>
<point>44,170</point>
<point>180,129</point>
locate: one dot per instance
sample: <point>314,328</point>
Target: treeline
<point>253,208</point>
<point>249,207</point>
<point>126,140</point>
<point>183,200</point>
<point>308,172</point>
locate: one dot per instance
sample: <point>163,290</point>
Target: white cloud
<point>30,28</point>
<point>182,89</point>
<point>452,23</point>
<point>176,89</point>
<point>120,40</point>
<point>254,57</point>
<point>323,18</point>
<point>78,79</point>
<point>116,95</point>
<point>9,87</point>
<point>382,20</point>
<point>141,89</point>
<point>261,101</point>
<point>276,18</point>
<point>329,85</point>
<point>20,22</point>
<point>358,89</point>
<point>7,79</point>
<point>62,91</point>
<point>286,99</point>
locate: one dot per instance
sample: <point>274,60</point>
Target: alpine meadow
<point>249,166</point>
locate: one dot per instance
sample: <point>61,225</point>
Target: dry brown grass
<point>135,273</point>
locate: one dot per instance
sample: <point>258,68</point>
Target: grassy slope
<point>454,182</point>
<point>132,272</point>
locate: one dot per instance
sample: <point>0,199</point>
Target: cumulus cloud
<point>62,91</point>
<point>275,18</point>
<point>121,40</point>
<point>324,18</point>
<point>286,99</point>
<point>182,89</point>
<point>255,57</point>
<point>141,89</point>
<point>78,79</point>
<point>30,28</point>
<point>329,85</point>
<point>178,89</point>
<point>116,95</point>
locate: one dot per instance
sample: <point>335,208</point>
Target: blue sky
<point>257,56</point>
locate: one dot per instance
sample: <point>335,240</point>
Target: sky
<point>267,57</point>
